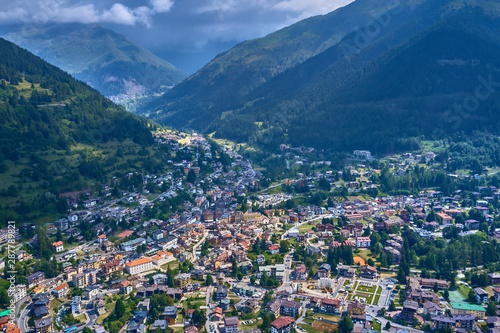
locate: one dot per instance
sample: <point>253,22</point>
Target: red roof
<point>101,236</point>
<point>282,322</point>
<point>274,247</point>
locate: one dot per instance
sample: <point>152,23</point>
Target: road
<point>194,256</point>
<point>23,317</point>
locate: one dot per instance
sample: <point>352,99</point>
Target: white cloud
<point>311,6</point>
<point>62,11</point>
<point>162,6</point>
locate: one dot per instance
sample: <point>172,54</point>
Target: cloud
<point>62,11</point>
<point>162,6</point>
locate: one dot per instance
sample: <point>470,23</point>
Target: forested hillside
<point>386,93</point>
<point>58,135</point>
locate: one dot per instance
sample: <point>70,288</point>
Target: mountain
<point>108,61</point>
<point>387,77</point>
<point>59,135</point>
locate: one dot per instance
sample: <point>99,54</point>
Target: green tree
<point>191,176</point>
<point>346,325</point>
<point>209,280</point>
<point>491,309</point>
<point>471,296</point>
<point>392,306</point>
<point>86,330</point>
<point>119,308</point>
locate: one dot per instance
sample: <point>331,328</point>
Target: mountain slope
<point>233,74</point>
<point>59,135</point>
<point>380,93</point>
<point>106,60</point>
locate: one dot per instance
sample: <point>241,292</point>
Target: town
<point>206,247</point>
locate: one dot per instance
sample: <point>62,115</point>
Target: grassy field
<point>326,317</point>
<point>172,264</point>
<point>306,227</point>
<point>377,326</point>
<point>309,329</point>
<point>55,303</point>
<point>464,290</point>
<point>109,308</point>
<point>255,323</point>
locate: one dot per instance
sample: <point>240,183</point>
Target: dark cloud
<point>187,33</point>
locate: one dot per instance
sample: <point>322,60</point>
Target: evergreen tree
<point>346,325</point>
<point>119,308</point>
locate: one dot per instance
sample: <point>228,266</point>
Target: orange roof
<point>138,262</point>
<point>57,243</point>
<point>124,234</point>
<point>61,287</point>
<point>101,236</point>
<point>12,328</point>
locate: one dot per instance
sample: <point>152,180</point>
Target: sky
<point>187,33</point>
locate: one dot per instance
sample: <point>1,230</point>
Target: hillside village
<point>206,248</point>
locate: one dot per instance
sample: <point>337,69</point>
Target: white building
<point>76,303</point>
<point>139,266</point>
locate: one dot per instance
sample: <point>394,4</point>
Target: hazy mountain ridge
<point>108,61</point>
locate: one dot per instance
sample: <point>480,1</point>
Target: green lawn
<point>306,227</point>
<point>464,290</point>
<point>172,264</point>
<point>253,325</point>
<point>377,326</point>
<point>55,303</point>
<point>326,316</point>
<point>309,329</point>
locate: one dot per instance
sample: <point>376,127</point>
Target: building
<point>464,308</point>
<point>481,295</point>
<point>132,245</point>
<point>344,270</point>
<point>221,293</point>
<point>324,271</point>
<point>496,294</point>
<point>182,279</point>
<point>231,324</point>
<point>463,322</point>
<point>35,279</point>
<point>76,303</point>
<point>139,266</point>
<point>283,324</point>
<point>170,314</point>
<point>58,246</point>
<point>126,287</point>
<point>356,311</point>
<point>363,242</point>
<point>300,272</point>
<point>329,306</point>
<point>410,308</point>
<point>368,272</point>
<point>60,290</point>
<point>277,271</point>
<point>44,325</point>
<point>494,278</point>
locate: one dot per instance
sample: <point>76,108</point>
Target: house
<point>44,325</point>
<point>126,287</point>
<point>481,295</point>
<point>300,272</point>
<point>191,329</point>
<point>432,309</point>
<point>356,311</point>
<point>60,290</point>
<point>35,279</point>
<point>324,271</point>
<point>344,270</point>
<point>261,259</point>
<point>102,238</point>
<point>329,306</point>
<point>182,279</point>
<point>161,324</point>
<point>494,278</point>
<point>273,249</point>
<point>170,314</point>
<point>221,293</point>
<point>58,246</point>
<point>290,308</point>
<point>231,324</point>
<point>496,294</point>
<point>217,314</point>
<point>368,272</point>
<point>410,308</point>
<point>363,242</point>
<point>283,324</point>
<point>76,305</point>
<point>139,266</point>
